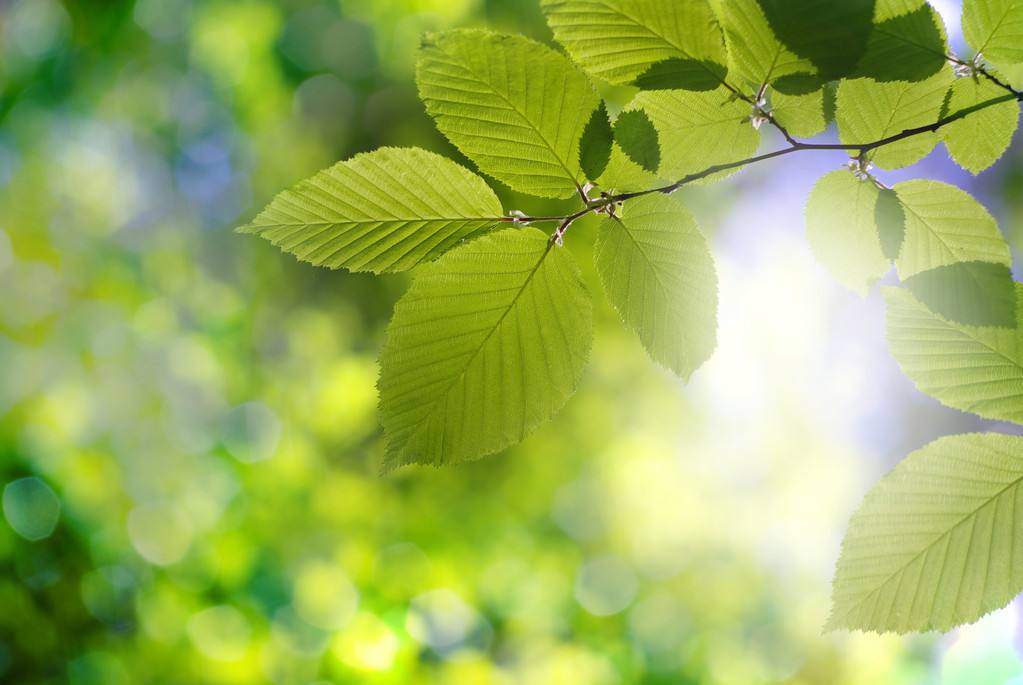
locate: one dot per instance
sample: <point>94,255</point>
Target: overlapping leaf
<point>842,229</point>
<point>869,111</point>
<point>978,140</point>
<point>935,544</point>
<point>906,47</point>
<point>488,343</point>
<point>994,28</point>
<point>756,56</point>
<point>621,40</point>
<point>831,35</point>
<point>386,210</point>
<point>657,271</point>
<point>512,105</point>
<point>971,368</point>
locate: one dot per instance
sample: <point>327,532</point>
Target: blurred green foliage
<point>189,446</point>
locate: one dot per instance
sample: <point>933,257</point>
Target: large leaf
<point>935,544</point>
<point>978,140</point>
<point>945,225</point>
<point>842,229</point>
<point>869,111</point>
<point>974,369</point>
<point>658,273</point>
<point>488,343</point>
<point>973,293</point>
<point>512,105</point>
<point>623,40</point>
<point>908,47</point>
<point>994,28</point>
<point>386,210</point>
<point>832,35</point>
<point>697,130</point>
<point>756,56</point>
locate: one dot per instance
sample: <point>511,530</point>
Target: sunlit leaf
<point>945,225</point>
<point>908,47</point>
<point>620,40</point>
<point>512,105</point>
<point>972,293</point>
<point>386,210</point>
<point>971,368</point>
<point>978,140</point>
<point>803,115</point>
<point>869,111</point>
<point>636,135</point>
<point>756,56</point>
<point>488,343</point>
<point>994,28</point>
<point>842,231</point>
<point>658,273</point>
<point>934,544</point>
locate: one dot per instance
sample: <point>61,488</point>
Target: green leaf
<point>909,47</point>
<point>803,115</point>
<point>971,293</point>
<point>832,35</point>
<point>841,229</point>
<point>978,140</point>
<point>658,273</point>
<point>869,111</point>
<point>934,544</point>
<point>756,56</point>
<point>891,223</point>
<point>387,210</point>
<point>994,28</point>
<point>697,130</point>
<point>512,105</point>
<point>596,143</point>
<point>619,40</point>
<point>970,368</point>
<point>682,74</point>
<point>636,135</point>
<point>945,225</point>
<point>489,342</point>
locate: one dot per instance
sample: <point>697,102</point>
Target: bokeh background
<point>189,447</point>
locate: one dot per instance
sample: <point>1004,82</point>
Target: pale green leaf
<point>869,111</point>
<point>891,223</point>
<point>658,273</point>
<point>756,56</point>
<point>842,230</point>
<point>512,105</point>
<point>803,115</point>
<point>994,28</point>
<point>935,543</point>
<point>386,210</point>
<point>489,342</point>
<point>978,140</point>
<point>945,225</point>
<point>971,368</point>
<point>698,130</point>
<point>620,40</point>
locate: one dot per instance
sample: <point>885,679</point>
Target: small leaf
<point>934,544</point>
<point>945,225</point>
<point>386,210</point>
<point>618,40</point>
<point>841,229</point>
<point>891,223</point>
<point>513,106</point>
<point>488,343</point>
<point>636,135</point>
<point>970,368</point>
<point>978,140</point>
<point>658,273</point>
<point>697,130</point>
<point>869,111</point>
<point>971,293</point>
<point>832,35</point>
<point>681,74</point>
<point>596,143</point>
<point>803,116</point>
<point>994,28</point>
<point>909,47</point>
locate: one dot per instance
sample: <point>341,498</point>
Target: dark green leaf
<point>970,293</point>
<point>636,135</point>
<point>595,145</point>
<point>833,35</point>
<point>891,222</point>
<point>798,84</point>
<point>681,74</point>
<point>910,47</point>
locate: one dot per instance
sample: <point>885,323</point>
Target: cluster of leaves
<point>494,333</point>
